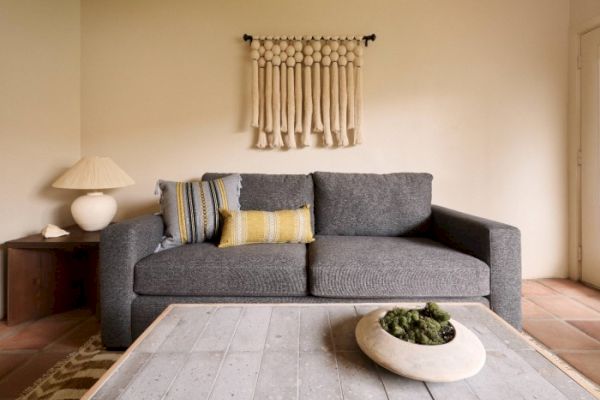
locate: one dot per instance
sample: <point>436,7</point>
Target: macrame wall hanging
<point>302,85</point>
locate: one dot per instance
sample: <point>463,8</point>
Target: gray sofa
<point>378,238</point>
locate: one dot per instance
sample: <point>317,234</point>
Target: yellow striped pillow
<point>247,227</point>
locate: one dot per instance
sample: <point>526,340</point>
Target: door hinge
<point>579,253</point>
<point>579,158</point>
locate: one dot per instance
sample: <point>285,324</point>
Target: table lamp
<point>95,210</point>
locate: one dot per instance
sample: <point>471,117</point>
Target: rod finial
<point>368,38</point>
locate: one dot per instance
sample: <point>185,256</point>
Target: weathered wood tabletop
<point>309,352</point>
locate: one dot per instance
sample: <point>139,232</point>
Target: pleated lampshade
<point>93,173</point>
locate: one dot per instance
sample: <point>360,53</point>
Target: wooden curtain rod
<point>366,38</point>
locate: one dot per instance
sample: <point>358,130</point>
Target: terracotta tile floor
<point>562,314</point>
<point>565,316</point>
<point>28,350</point>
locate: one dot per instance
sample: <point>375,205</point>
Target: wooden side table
<point>47,276</point>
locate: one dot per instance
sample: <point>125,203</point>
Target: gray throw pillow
<point>190,210</point>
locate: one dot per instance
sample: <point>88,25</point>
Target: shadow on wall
<point>138,208</point>
<point>3,278</point>
<point>60,200</point>
<point>243,97</point>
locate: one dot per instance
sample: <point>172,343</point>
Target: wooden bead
<point>358,51</point>
<point>350,45</point>
<point>334,45</point>
<point>308,61</point>
<point>342,50</point>
<point>326,61</point>
<point>283,56</point>
<point>261,62</point>
<point>261,50</point>
<point>308,50</point>
<point>283,44</point>
<point>276,50</point>
<point>334,56</point>
<point>326,50</point>
<point>254,54</point>
<point>268,55</point>
<point>290,61</point>
<point>255,44</point>
<point>342,61</point>
<point>268,44</point>
<point>298,45</point>
<point>276,60</point>
<point>350,56</point>
<point>317,56</point>
<point>290,51</point>
<point>316,44</point>
<point>298,57</point>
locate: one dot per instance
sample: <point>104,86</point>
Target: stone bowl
<point>460,358</point>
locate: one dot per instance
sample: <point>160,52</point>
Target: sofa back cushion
<point>396,204</point>
<point>271,192</point>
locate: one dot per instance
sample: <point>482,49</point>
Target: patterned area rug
<point>73,376</point>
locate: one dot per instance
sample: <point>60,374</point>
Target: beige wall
<point>583,10</point>
<point>474,92</point>
<point>39,112</point>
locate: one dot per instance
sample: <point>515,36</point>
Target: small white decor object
<point>305,85</point>
<point>460,358</point>
<point>94,210</point>
<point>53,231</point>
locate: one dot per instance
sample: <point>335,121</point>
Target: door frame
<point>574,146</point>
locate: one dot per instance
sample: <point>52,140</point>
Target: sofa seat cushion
<point>355,266</point>
<point>202,269</point>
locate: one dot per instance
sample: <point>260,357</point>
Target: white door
<point>590,147</point>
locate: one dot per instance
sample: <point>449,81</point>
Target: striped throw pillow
<point>248,227</point>
<point>190,210</point>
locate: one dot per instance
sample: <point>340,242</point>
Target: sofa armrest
<point>122,245</point>
<point>496,244</point>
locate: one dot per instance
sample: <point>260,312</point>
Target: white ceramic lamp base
<point>94,211</point>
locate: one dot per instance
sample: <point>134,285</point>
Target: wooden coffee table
<point>300,351</point>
